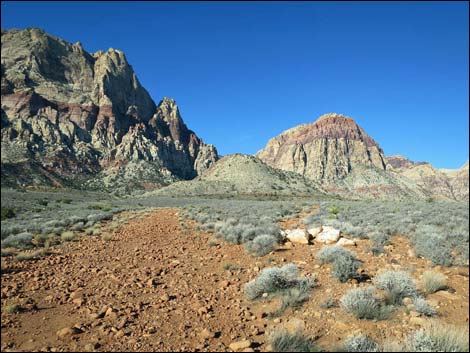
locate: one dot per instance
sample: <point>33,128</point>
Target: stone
<point>298,236</point>
<point>207,334</point>
<point>407,301</point>
<point>314,231</point>
<point>68,331</point>
<point>328,235</point>
<point>346,242</point>
<point>239,345</point>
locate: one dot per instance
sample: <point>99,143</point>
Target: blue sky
<point>242,72</point>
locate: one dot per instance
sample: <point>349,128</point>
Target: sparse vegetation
<point>364,303</point>
<point>12,308</point>
<point>360,343</point>
<point>262,244</point>
<point>276,280</point>
<point>397,285</point>
<point>433,281</point>
<point>421,306</point>
<point>344,262</point>
<point>285,341</point>
<point>7,212</point>
<point>438,338</point>
<point>68,236</point>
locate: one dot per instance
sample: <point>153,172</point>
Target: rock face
<point>440,183</point>
<point>337,153</point>
<point>326,150</point>
<point>73,116</point>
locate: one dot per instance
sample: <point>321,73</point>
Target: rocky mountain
<point>240,174</point>
<point>398,161</point>
<point>74,118</point>
<point>338,154</point>
<point>440,183</point>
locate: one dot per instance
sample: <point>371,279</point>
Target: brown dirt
<point>161,285</point>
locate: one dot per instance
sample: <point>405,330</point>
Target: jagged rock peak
<point>91,108</point>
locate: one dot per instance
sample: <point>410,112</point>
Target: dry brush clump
<point>396,285</point>
<point>364,303</point>
<point>282,282</point>
<point>344,262</point>
<point>282,340</point>
<point>433,281</point>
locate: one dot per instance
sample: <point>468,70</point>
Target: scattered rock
<point>69,331</point>
<point>239,345</point>
<point>298,236</point>
<point>315,231</point>
<point>328,235</point>
<point>207,334</point>
<point>346,242</point>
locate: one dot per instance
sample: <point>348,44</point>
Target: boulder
<point>298,236</point>
<point>315,231</point>
<point>328,235</point>
<point>346,242</point>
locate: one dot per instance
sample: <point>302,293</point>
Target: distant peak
<point>334,115</point>
<point>168,101</point>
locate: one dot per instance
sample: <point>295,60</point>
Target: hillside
<point>240,174</point>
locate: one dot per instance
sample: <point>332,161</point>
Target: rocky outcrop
<point>398,162</point>
<point>82,116</point>
<point>440,183</point>
<point>337,153</point>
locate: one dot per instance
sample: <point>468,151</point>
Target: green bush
<point>7,212</point>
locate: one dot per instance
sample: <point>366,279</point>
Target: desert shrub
<point>363,303</point>
<point>96,217</point>
<point>438,338</point>
<point>8,252</point>
<point>329,303</point>
<point>434,247</point>
<point>276,280</point>
<point>107,237</point>
<point>261,245</point>
<point>344,262</point>
<point>328,254</point>
<point>12,308</point>
<point>433,281</point>
<point>285,341</point>
<point>78,226</point>
<point>19,241</point>
<point>421,306</point>
<point>293,298</point>
<point>396,284</point>
<point>67,236</point>
<point>360,343</point>
<point>24,256</point>
<point>378,241</point>
<point>7,212</point>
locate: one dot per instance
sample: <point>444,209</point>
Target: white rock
<point>298,236</point>
<point>315,231</point>
<point>328,235</point>
<point>346,242</point>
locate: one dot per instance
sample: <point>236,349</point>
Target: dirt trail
<point>157,286</point>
